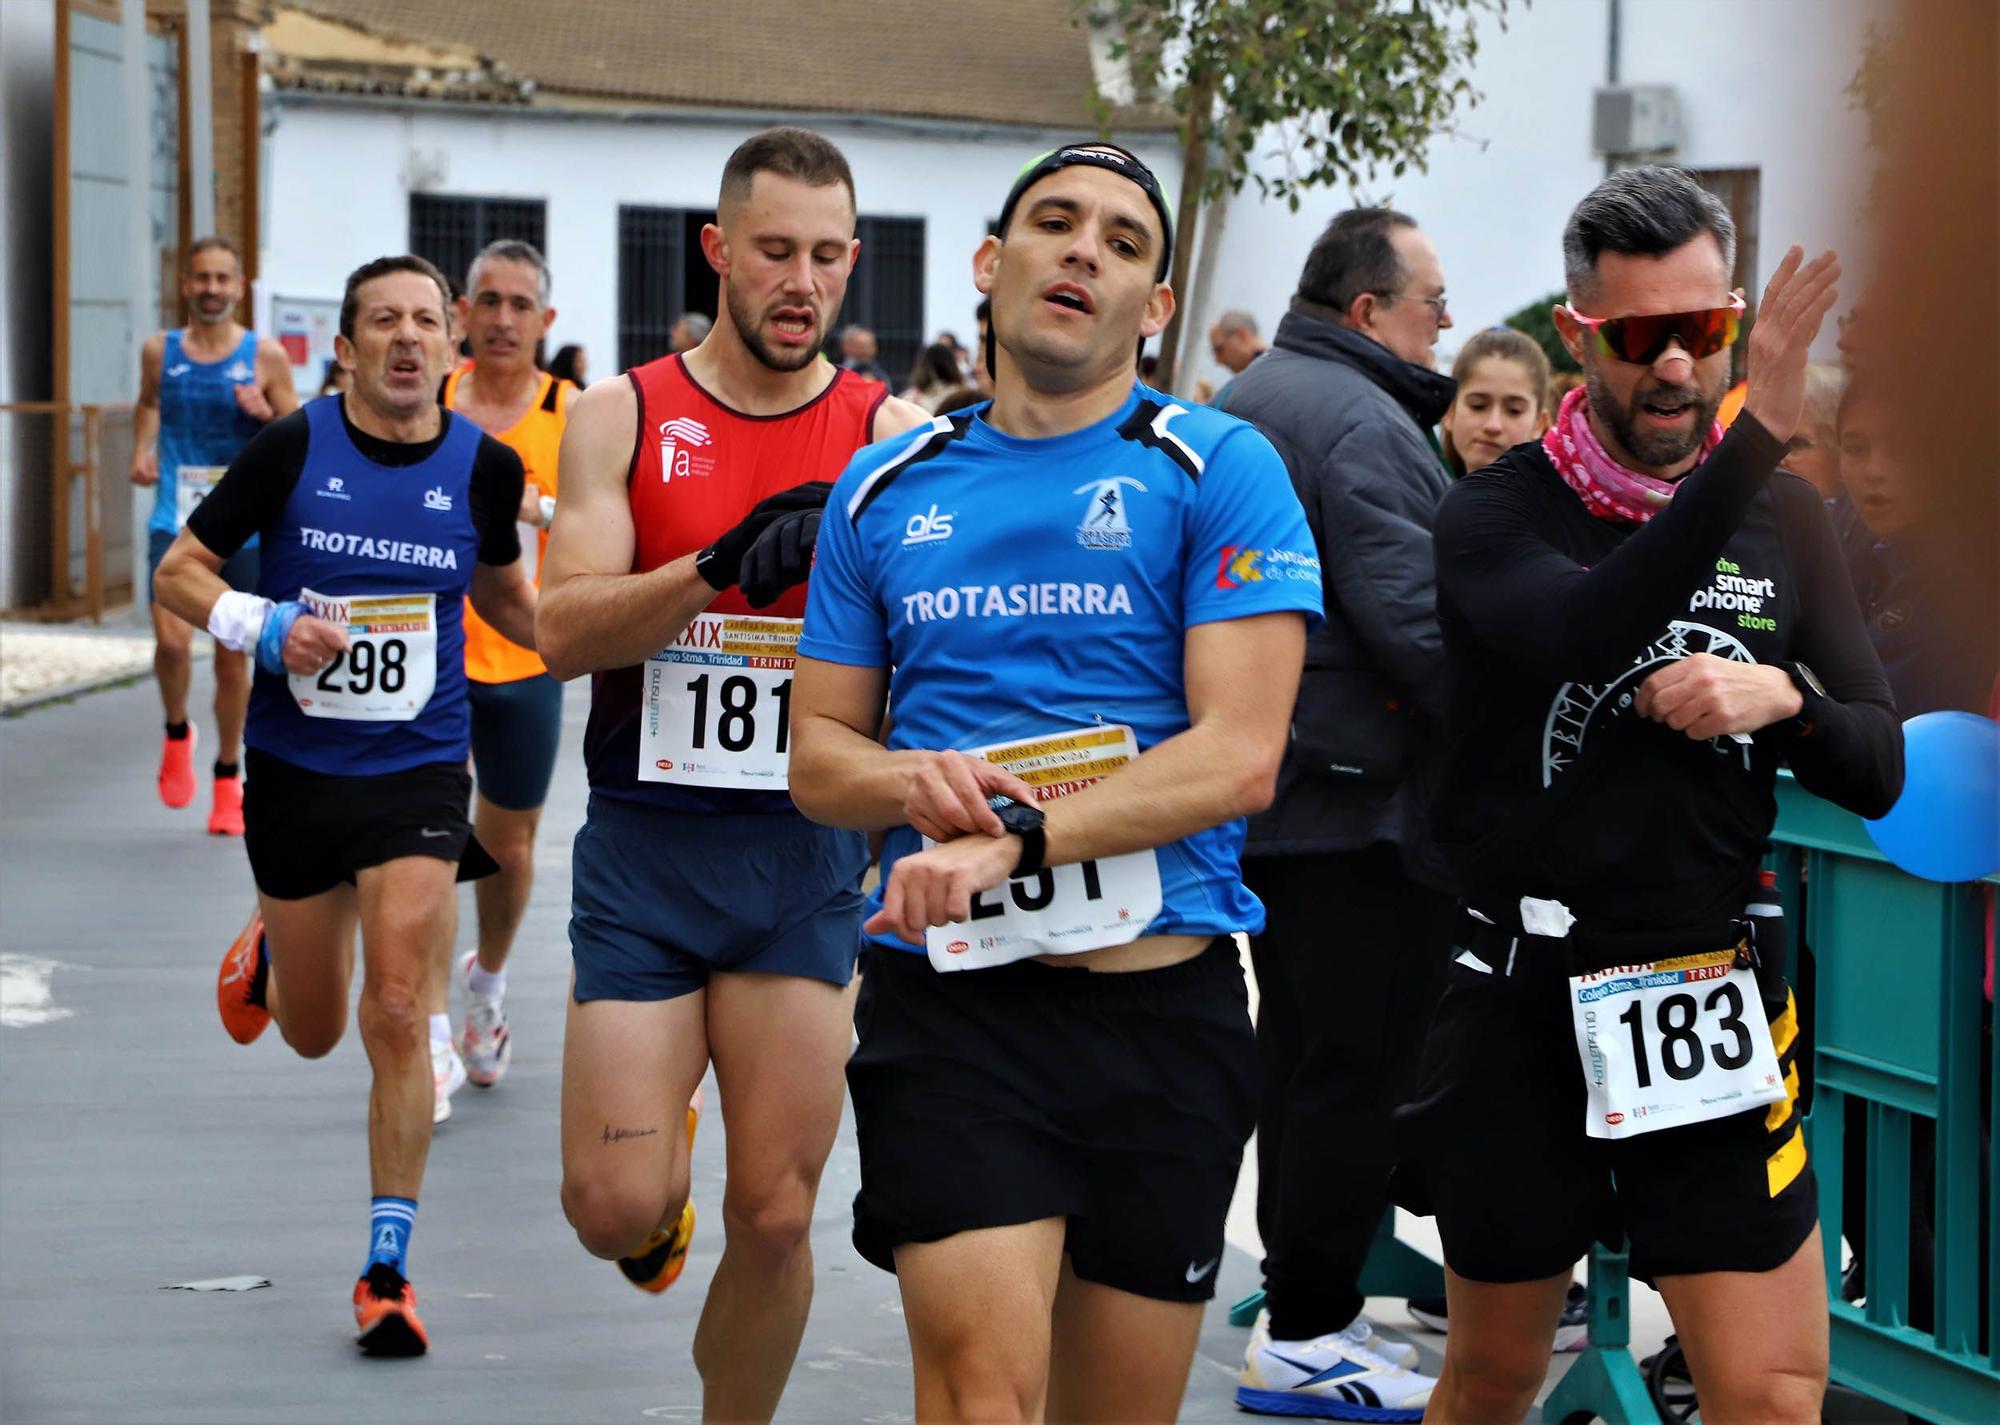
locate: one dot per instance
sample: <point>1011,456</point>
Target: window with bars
<point>1740,190</point>
<point>449,230</point>
<point>886,292</point>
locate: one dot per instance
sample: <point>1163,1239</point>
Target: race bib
<point>389,670</point>
<point>718,704</point>
<point>1677,1041</point>
<point>191,486</point>
<point>1060,910</point>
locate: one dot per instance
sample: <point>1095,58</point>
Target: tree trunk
<point>1194,175</point>
<point>1193,303</point>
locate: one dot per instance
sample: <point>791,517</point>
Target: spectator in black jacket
<point>1359,908</point>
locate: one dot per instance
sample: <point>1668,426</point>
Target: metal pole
<point>138,98</point>
<point>200,137</point>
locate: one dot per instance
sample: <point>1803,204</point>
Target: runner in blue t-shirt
<point>1088,603</point>
<point>204,391</point>
<point>380,512</point>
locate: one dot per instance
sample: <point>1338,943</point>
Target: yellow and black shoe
<point>657,1265</point>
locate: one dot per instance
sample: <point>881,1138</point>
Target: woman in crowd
<point>1502,376</point>
<point>936,378</point>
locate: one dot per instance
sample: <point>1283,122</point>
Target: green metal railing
<point>1902,1037</point>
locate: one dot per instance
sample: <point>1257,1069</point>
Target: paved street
<point>140,1148</point>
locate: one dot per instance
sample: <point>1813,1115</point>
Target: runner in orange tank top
<point>516,705</point>
<point>711,923</point>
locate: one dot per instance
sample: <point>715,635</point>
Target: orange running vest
<point>536,437</point>
<point>697,469</point>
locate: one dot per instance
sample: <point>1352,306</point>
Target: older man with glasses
<point>1360,908</point>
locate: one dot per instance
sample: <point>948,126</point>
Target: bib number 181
<point>735,711</point>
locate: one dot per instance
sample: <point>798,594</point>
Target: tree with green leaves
<point>1538,321</point>
<point>1346,88</point>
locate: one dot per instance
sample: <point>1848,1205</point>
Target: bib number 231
<point>718,704</point>
<point>1677,1041</point>
<point>389,670</point>
<point>1059,910</point>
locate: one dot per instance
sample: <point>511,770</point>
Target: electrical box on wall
<point>1636,118</point>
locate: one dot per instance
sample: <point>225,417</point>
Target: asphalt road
<point>139,1148</point>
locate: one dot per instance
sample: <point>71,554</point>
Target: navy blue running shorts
<point>1119,1102</point>
<point>660,900</point>
<point>516,728</point>
<point>239,570</point>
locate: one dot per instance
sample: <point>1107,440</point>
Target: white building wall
<point>1761,85</point>
<point>340,184</point>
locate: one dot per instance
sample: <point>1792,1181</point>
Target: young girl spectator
<point>1502,377</point>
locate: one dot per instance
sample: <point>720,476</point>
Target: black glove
<point>781,558</point>
<point>720,562</point>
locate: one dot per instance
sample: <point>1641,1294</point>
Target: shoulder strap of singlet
<point>246,349</point>
<point>173,348</point>
<point>552,394</point>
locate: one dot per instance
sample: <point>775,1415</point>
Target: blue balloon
<point>1946,825</point>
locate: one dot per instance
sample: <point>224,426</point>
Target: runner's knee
<point>1502,1375</point>
<point>1775,1394</point>
<point>232,670</point>
<point>771,1217</point>
<point>394,1013</point>
<point>311,1038</point>
<point>612,1218</point>
<point>983,1384</point>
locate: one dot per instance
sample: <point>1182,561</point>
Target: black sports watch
<point>1026,822</point>
<point>1811,693</point>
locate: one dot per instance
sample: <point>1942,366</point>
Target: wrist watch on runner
<point>1811,691</point>
<point>1026,822</point>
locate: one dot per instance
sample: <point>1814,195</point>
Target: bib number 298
<point>1674,1028</point>
<point>368,666</point>
<point>734,713</point>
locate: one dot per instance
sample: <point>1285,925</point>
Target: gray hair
<point>1236,320</point>
<point>1825,385</point>
<point>697,325</point>
<point>511,250</point>
<point>1646,212</point>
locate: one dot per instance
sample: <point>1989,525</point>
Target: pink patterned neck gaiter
<point>1608,490</point>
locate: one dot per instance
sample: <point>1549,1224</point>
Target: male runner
<point>381,511</point>
<point>1052,1108</point>
<point>711,922</point>
<point>1641,622</point>
<point>516,705</point>
<point>203,392</point>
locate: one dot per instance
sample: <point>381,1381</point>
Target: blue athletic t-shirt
<point>1023,587</point>
<point>200,423</point>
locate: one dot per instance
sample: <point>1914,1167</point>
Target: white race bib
<point>1676,1041</point>
<point>191,486</point>
<point>717,708</point>
<point>389,670</point>
<point>1060,910</point>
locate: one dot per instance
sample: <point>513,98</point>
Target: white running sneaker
<point>483,1041</point>
<point>1396,1353</point>
<point>448,1073</point>
<point>1341,1376</point>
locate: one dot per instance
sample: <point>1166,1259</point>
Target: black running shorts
<point>308,832</point>
<point>1495,1146</point>
<point>1120,1102</point>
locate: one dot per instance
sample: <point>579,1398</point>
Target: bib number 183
<point>1675,1029</point>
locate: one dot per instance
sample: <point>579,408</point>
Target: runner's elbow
<point>1256,784</point>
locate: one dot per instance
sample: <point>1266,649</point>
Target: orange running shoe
<point>385,1315</point>
<point>239,985</point>
<point>176,778</point>
<point>225,818</point>
<point>657,1265</point>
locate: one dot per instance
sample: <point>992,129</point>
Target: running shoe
<point>176,779</point>
<point>1341,1376</point>
<point>385,1315</point>
<point>483,1042</point>
<point>239,985</point>
<point>448,1074</point>
<point>657,1265</point>
<point>225,818</point>
<point>1572,1330</point>
<point>1400,1353</point>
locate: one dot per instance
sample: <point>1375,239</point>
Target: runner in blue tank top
<point>1083,607</point>
<point>203,393</point>
<point>379,513</point>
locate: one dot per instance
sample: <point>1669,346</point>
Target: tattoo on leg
<point>619,1135</point>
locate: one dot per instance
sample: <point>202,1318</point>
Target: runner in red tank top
<point>710,921</point>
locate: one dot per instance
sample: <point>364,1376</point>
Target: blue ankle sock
<point>390,1221</point>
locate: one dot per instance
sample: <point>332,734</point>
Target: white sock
<point>440,1029</point>
<point>487,986</point>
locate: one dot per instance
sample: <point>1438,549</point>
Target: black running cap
<point>1110,158</point>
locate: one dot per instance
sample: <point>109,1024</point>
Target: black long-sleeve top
<point>1552,618</point>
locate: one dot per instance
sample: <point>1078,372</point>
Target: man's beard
<point>213,319</point>
<point>750,328</point>
<point>1653,449</point>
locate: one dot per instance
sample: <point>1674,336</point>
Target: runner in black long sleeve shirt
<point>1641,624</point>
